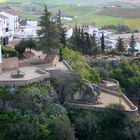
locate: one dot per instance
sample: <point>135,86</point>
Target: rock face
<point>88,94</point>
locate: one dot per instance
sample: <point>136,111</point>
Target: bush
<point>9,52</point>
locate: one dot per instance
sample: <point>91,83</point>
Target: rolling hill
<point>78,2</point>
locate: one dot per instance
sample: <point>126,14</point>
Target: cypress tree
<point>132,44</point>
<point>102,43</point>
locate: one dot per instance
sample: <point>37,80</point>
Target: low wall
<point>0,68</point>
<point>131,113</point>
<point>23,82</point>
<point>9,63</point>
<point>114,86</point>
<point>67,64</point>
<point>134,110</point>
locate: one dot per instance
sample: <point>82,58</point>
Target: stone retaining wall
<point>24,82</point>
<point>0,68</point>
<point>9,63</point>
<point>131,113</point>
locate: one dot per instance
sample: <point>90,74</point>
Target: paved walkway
<point>108,99</point>
<point>59,66</point>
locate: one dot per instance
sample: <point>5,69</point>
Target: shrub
<point>9,52</point>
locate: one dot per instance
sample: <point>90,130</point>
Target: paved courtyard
<point>32,75</point>
<point>30,72</point>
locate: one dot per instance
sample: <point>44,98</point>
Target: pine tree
<point>120,46</point>
<point>132,44</point>
<point>49,35</point>
<point>102,43</point>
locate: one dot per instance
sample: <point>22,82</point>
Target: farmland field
<point>120,12</point>
<point>133,23</point>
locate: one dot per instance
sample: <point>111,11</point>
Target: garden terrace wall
<point>22,82</point>
<point>25,81</point>
<point>9,63</point>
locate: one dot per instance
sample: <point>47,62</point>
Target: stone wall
<point>23,82</point>
<point>0,68</point>
<point>132,113</point>
<point>9,63</point>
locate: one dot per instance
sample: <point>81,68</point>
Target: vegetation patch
<point>8,52</point>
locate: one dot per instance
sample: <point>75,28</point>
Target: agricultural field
<point>133,23</point>
<point>120,12</point>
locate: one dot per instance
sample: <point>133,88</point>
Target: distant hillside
<point>78,2</point>
<point>120,12</point>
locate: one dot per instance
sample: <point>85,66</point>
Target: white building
<point>3,25</point>
<point>30,30</point>
<point>69,33</point>
<point>90,30</point>
<point>13,20</point>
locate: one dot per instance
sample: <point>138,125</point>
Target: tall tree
<point>120,46</point>
<point>49,34</point>
<point>76,39</point>
<point>62,34</point>
<point>86,44</point>
<point>132,44</point>
<point>103,43</point>
<point>94,47</point>
<point>62,31</point>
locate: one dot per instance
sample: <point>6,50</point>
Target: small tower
<point>0,60</point>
